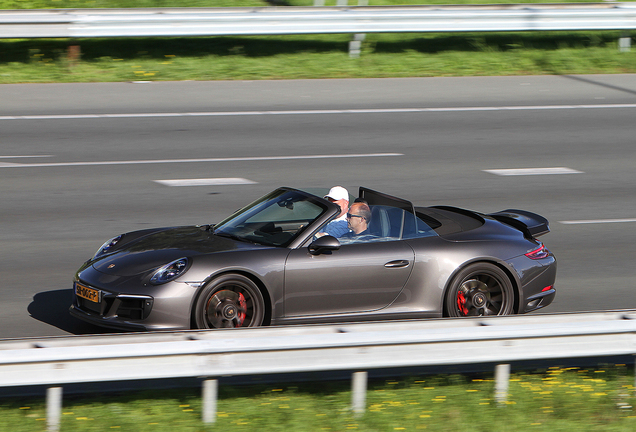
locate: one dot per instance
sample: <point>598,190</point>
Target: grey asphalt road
<point>79,164</point>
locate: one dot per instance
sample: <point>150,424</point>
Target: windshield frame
<point>236,222</point>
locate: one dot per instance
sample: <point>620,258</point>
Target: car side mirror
<point>324,244</point>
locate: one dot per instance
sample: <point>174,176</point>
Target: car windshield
<point>273,220</point>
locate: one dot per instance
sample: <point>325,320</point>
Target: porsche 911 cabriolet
<point>266,264</point>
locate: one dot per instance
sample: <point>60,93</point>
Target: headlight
<point>107,246</point>
<point>169,271</point>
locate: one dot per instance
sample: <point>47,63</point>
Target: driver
<point>358,220</point>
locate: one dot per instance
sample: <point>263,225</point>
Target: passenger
<point>358,220</point>
<point>337,227</point>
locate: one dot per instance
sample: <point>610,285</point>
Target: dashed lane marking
<point>206,182</point>
<point>597,221</point>
<point>533,171</point>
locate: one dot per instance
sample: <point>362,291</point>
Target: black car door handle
<point>397,264</point>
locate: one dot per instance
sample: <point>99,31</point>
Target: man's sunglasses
<point>349,216</point>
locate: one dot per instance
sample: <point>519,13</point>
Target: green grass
<point>556,400</point>
<point>319,56</point>
<point>303,56</point>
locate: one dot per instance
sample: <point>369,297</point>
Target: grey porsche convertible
<point>267,264</point>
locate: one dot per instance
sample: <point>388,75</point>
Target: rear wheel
<point>480,289</point>
<point>229,301</point>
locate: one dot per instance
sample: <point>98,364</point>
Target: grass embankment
<point>569,399</point>
<point>320,56</point>
<point>303,56</point>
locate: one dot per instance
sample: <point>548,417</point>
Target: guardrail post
<point>625,43</point>
<point>502,376</point>
<point>358,392</point>
<point>53,408</point>
<point>355,46</point>
<point>210,393</point>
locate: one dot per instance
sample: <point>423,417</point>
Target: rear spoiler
<point>530,224</point>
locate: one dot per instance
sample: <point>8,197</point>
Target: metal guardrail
<point>87,23</point>
<point>356,347</point>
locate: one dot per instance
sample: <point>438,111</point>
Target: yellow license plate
<point>88,293</point>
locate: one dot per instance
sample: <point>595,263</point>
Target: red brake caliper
<point>240,316</point>
<point>461,303</point>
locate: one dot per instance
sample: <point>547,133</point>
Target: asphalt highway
<point>80,163</point>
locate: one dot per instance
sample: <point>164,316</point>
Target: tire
<point>229,301</point>
<point>480,289</point>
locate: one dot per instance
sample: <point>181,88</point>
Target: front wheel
<point>480,289</point>
<point>229,301</point>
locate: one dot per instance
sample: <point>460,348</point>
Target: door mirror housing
<point>324,244</point>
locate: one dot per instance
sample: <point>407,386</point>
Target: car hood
<point>151,251</point>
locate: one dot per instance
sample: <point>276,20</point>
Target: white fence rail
<point>354,347</point>
<point>84,23</point>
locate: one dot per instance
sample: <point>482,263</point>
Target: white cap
<point>338,193</point>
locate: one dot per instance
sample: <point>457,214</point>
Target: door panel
<point>356,278</point>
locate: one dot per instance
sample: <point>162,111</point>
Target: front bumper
<point>102,321</point>
<point>125,304</point>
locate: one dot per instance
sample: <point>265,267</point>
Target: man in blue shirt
<point>337,227</point>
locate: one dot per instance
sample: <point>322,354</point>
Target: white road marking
<point>206,182</point>
<point>311,112</point>
<point>164,161</point>
<point>597,221</point>
<point>25,156</point>
<point>533,171</point>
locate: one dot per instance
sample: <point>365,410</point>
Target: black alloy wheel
<point>229,301</point>
<point>480,289</point>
